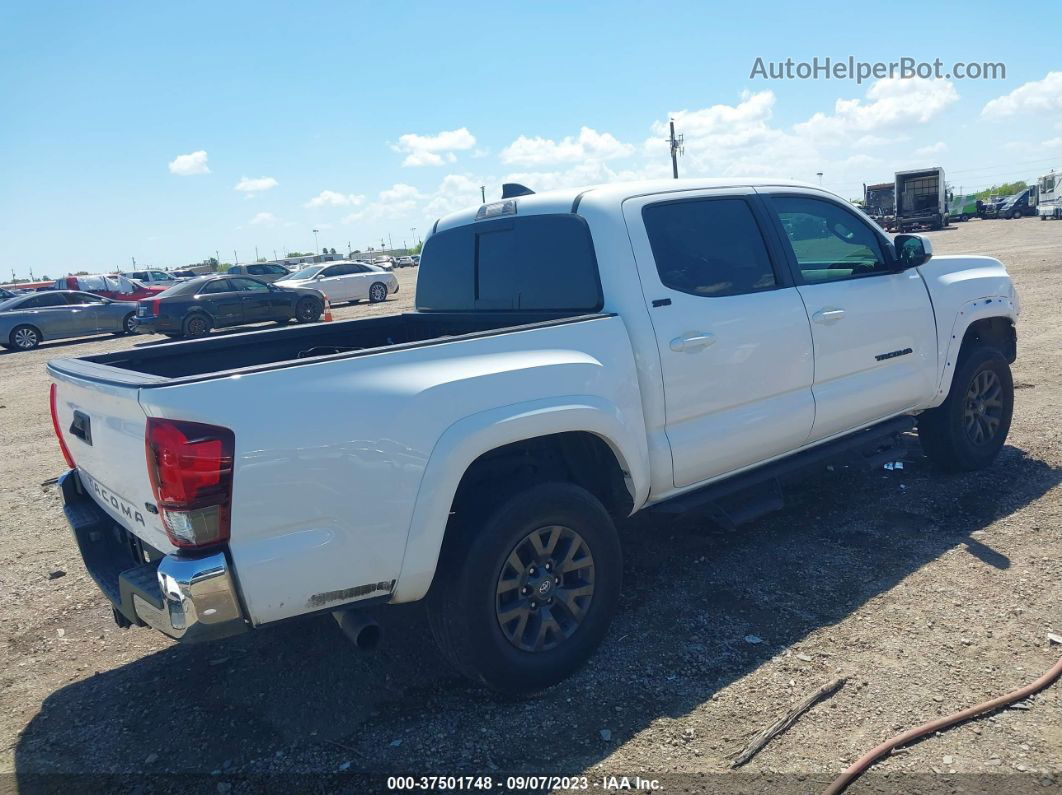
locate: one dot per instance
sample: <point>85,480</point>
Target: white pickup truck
<point>574,357</point>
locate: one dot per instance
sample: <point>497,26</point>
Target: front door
<point>873,324</point>
<point>734,342</point>
<point>257,300</point>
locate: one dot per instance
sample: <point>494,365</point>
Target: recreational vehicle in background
<point>1050,199</point>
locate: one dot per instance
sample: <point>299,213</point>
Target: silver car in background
<point>27,320</point>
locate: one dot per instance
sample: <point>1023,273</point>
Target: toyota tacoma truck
<point>574,357</point>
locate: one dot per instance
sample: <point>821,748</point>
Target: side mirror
<point>913,250</point>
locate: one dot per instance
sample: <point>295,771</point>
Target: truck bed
<point>166,363</point>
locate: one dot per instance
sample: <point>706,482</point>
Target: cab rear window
<point>537,262</point>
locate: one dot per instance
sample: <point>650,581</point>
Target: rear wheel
<point>128,324</point>
<point>196,326</point>
<point>968,429</point>
<point>377,292</point>
<point>524,594</point>
<point>308,310</point>
<point>24,338</point>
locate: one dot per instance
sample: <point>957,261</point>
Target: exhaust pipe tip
<point>362,630</point>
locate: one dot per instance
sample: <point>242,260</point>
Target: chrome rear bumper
<point>190,599</point>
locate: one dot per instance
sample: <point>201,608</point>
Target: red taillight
<point>55,426</point>
<point>155,307</point>
<point>190,466</point>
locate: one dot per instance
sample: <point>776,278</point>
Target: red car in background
<point>113,286</point>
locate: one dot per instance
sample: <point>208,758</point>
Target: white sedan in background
<point>345,281</point>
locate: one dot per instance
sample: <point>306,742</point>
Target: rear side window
<point>708,247</point>
<point>220,286</point>
<point>537,262</point>
<point>42,301</point>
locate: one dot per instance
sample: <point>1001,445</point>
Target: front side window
<point>83,298</point>
<point>249,285</point>
<point>708,247</point>
<point>828,242</point>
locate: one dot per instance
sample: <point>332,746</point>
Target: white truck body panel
<point>346,468</point>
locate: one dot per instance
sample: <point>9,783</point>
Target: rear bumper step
<point>190,599</point>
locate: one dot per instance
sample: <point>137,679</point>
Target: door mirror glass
<point>913,250</point>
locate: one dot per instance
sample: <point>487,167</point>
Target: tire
<point>467,604</point>
<point>377,292</point>
<point>128,325</point>
<point>968,429</point>
<point>198,325</point>
<point>964,217</point>
<point>24,338</point>
<point>945,221</point>
<point>307,310</point>
<point>1014,216</point>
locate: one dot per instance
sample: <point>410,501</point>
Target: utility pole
<point>483,193</point>
<point>413,231</point>
<point>315,246</point>
<point>134,262</point>
<point>217,256</point>
<point>677,149</point>
<point>390,245</point>
<point>256,253</point>
<point>236,257</point>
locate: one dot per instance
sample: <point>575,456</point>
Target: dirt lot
<point>931,592</point>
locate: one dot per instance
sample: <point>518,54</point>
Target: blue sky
<point>364,120</point>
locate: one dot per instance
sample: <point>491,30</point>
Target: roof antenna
<point>510,190</point>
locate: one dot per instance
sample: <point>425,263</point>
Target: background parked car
<point>346,281</point>
<point>193,308</point>
<point>263,271</point>
<point>27,320</point>
<point>416,259</point>
<point>385,261</point>
<point>182,275</point>
<point>5,293</point>
<point>152,278</point>
<point>115,287</point>
<point>404,262</point>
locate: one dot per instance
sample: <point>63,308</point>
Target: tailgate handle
<point>81,427</point>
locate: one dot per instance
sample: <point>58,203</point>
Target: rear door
<point>223,302</point>
<point>734,342</point>
<point>88,315</point>
<point>873,324</point>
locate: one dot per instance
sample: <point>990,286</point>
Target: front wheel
<point>524,595</point>
<point>377,293</point>
<point>968,429</point>
<point>24,338</point>
<point>308,310</point>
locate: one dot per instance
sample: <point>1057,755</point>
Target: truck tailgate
<point>103,426</point>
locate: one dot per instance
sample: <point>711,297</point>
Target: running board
<point>746,497</point>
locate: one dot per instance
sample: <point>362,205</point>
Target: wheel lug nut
<point>556,580</point>
<point>532,571</point>
<point>534,605</point>
<point>549,567</point>
<point>525,590</point>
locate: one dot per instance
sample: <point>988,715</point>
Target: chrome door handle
<point>694,341</point>
<point>828,316</point>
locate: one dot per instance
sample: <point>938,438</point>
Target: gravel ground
<point>930,592</point>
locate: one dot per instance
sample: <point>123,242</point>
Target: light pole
<point>819,175</point>
<point>315,245</point>
<point>483,193</point>
<point>413,231</point>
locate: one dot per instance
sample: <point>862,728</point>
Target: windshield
<point>305,273</point>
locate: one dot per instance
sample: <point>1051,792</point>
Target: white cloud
<point>190,164</point>
<point>1039,95</point>
<point>589,145</point>
<point>394,202</point>
<point>434,150</point>
<point>331,198</point>
<point>890,103</point>
<point>454,192</point>
<point>264,219</point>
<point>1052,143</point>
<point>252,185</point>
<point>932,149</point>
